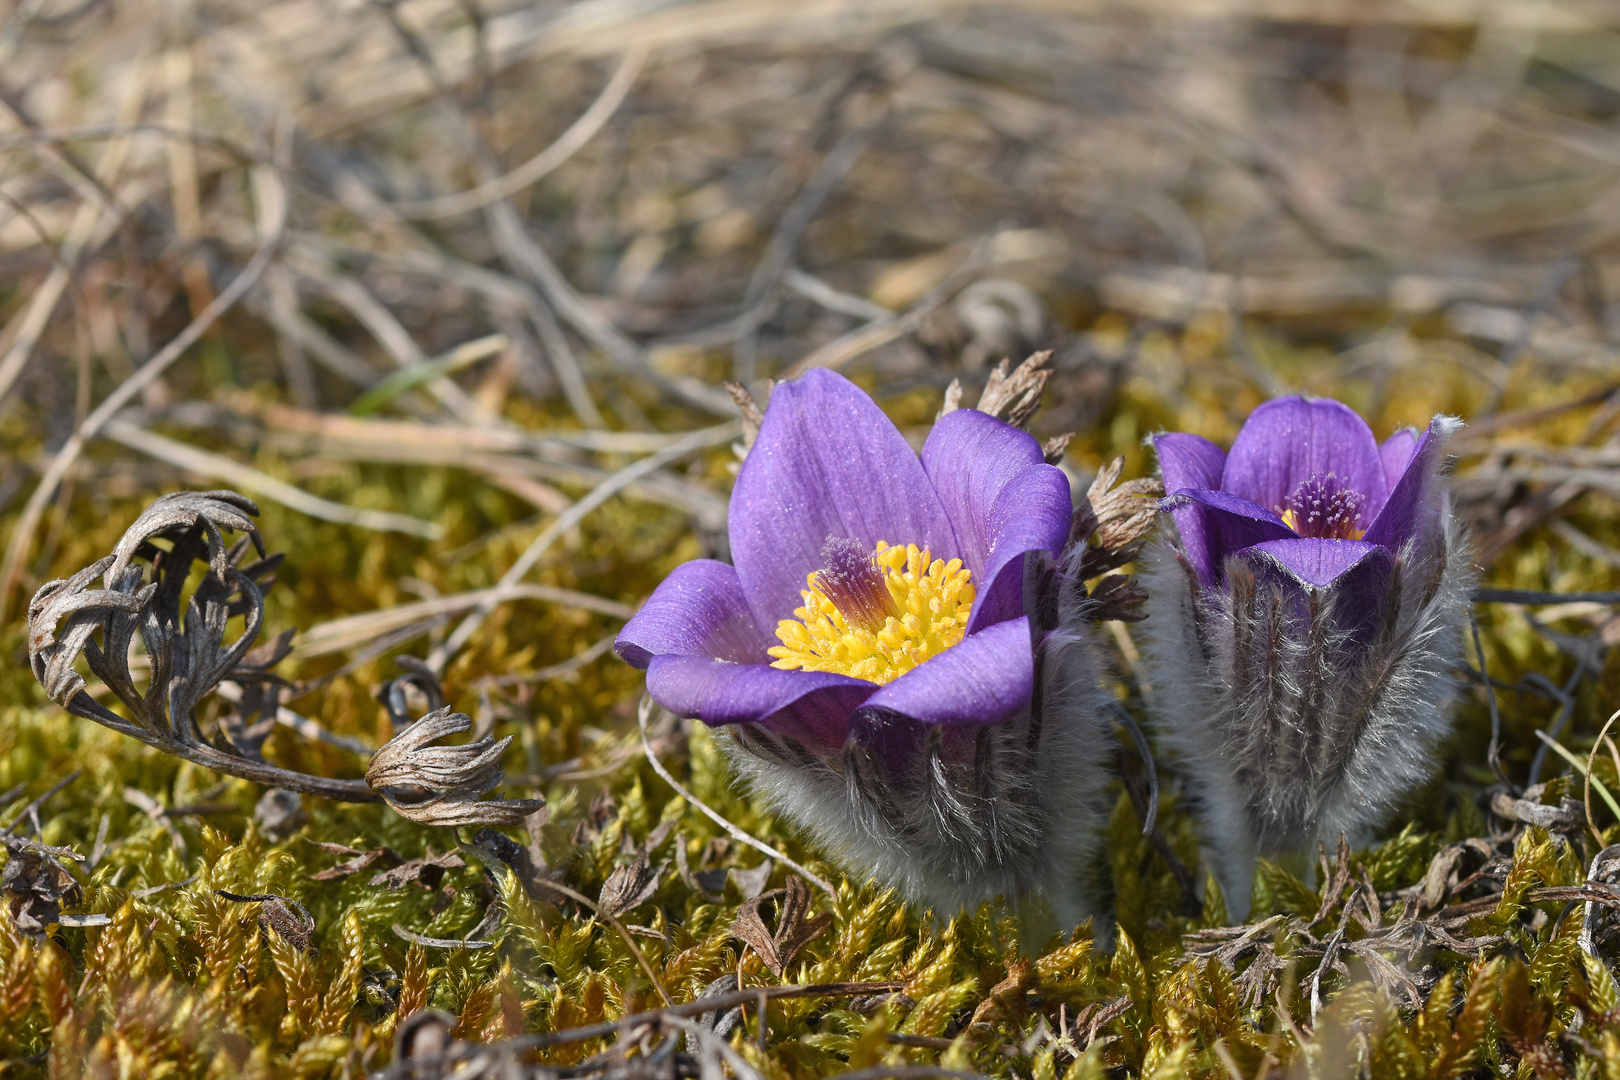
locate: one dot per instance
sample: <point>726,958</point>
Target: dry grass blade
<point>353,631</point>
<point>440,943</point>
<point>532,171</point>
<point>395,340</point>
<point>880,331</point>
<point>219,467</point>
<point>604,491</point>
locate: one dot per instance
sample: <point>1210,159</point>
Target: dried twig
<point>219,467</point>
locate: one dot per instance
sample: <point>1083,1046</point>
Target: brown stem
<point>353,791</point>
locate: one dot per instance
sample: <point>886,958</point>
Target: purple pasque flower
<point>1303,619</point>
<point>872,653</point>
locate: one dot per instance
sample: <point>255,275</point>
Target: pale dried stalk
<point>355,630</point>
<point>604,491</point>
<point>219,467</point>
<point>713,815</point>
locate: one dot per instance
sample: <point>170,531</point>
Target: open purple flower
<point>871,651</point>
<point>1303,622</point>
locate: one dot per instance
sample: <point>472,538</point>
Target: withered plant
<point>188,656</point>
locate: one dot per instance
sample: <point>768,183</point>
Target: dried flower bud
<point>442,785</point>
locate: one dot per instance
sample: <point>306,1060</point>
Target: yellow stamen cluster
<point>1348,532</point>
<point>929,603</point>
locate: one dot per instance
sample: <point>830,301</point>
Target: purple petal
<point>811,706</point>
<point>1188,461</point>
<point>1353,577</point>
<point>1003,499</point>
<point>984,679</point>
<point>1033,513</point>
<point>699,610</point>
<point>1215,524</point>
<point>1289,440</point>
<point>1312,561</point>
<point>827,463</point>
<point>1396,454</point>
<point>1414,504</point>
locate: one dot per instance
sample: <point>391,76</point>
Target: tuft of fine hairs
<point>1288,732</point>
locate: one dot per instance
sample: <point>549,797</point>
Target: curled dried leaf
<point>357,862</point>
<point>443,785</point>
<point>631,885</point>
<point>428,872</point>
<point>184,637</point>
<point>793,931</point>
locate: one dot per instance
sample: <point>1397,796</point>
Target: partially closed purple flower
<point>1303,621</point>
<point>871,653</point>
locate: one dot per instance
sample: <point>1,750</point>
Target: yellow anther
<point>931,599</point>
<point>1346,532</point>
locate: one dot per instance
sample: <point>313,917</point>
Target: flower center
<point>1322,507</point>
<point>875,615</point>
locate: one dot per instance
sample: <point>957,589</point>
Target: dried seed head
<point>36,886</point>
<point>1016,398</point>
<point>1110,527</point>
<point>443,785</point>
